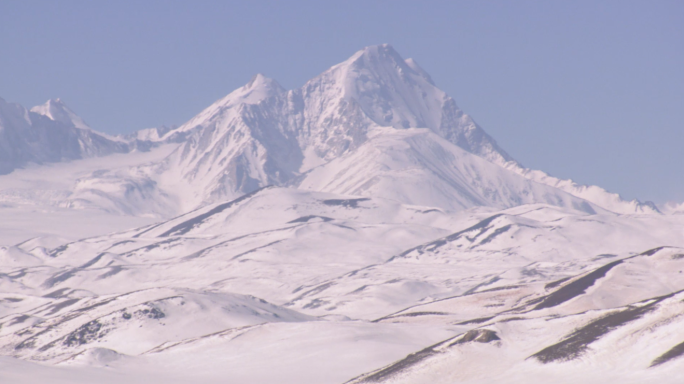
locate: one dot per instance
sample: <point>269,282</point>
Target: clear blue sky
<point>588,90</point>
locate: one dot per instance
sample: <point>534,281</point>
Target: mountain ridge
<point>261,134</point>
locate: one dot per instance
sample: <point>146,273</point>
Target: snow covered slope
<point>621,322</point>
<point>288,272</point>
<point>416,166</point>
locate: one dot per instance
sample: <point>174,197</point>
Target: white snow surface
<point>258,288</point>
<point>360,229</point>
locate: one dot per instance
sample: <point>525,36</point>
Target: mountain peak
<point>391,91</point>
<point>257,89</point>
<point>56,110</point>
<point>261,81</point>
<point>374,56</point>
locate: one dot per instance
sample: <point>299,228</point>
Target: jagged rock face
<point>49,133</point>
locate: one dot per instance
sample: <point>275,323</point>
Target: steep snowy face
<point>236,145</point>
<point>56,110</point>
<point>416,166</point>
<point>260,135</point>
<point>48,133</point>
<point>391,91</point>
<point>256,90</point>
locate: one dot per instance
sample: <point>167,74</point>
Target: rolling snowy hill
<point>331,269</point>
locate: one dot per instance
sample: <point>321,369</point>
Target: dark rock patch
<point>479,320</point>
<point>59,277</point>
<point>347,203</point>
<point>112,271</point>
<point>556,283</point>
<point>651,252</point>
<point>306,219</point>
<point>152,313</point>
<point>315,290</point>
<point>673,353</point>
<point>19,319</point>
<point>255,249</point>
<point>59,250</point>
<point>12,299</point>
<point>358,290</point>
<point>576,287</point>
<point>188,225</point>
<point>315,303</point>
<point>57,294</point>
<point>576,343</point>
<point>59,306</point>
<point>482,227</point>
<point>604,256</point>
<point>478,336</point>
<point>87,333</point>
<point>483,284</point>
<point>400,365</point>
<point>28,343</point>
<point>416,314</point>
<point>93,261</point>
<point>494,234</point>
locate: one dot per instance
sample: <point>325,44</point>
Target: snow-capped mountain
<point>358,229</point>
<point>373,125</point>
<point>48,133</point>
<point>56,110</point>
<point>261,135</point>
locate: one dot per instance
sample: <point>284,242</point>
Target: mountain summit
<point>56,110</point>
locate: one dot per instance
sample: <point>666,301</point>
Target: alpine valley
<point>359,229</point>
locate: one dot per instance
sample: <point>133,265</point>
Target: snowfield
<point>358,229</point>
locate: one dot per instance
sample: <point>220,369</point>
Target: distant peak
<point>261,81</point>
<point>258,88</point>
<point>380,48</point>
<point>383,59</point>
<point>56,110</point>
<point>391,91</point>
<point>382,52</point>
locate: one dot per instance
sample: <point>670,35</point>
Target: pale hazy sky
<point>588,90</point>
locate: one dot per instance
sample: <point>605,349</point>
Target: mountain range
<point>374,125</point>
<point>361,229</point>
